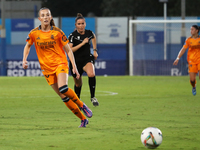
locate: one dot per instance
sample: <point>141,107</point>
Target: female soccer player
<point>49,42</point>
<point>193,56</point>
<point>79,42</point>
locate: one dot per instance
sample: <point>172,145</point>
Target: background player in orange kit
<point>49,42</point>
<point>193,56</point>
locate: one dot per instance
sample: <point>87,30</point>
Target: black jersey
<point>84,52</point>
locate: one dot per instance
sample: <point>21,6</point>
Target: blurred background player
<point>79,42</point>
<point>193,56</point>
<point>49,42</point>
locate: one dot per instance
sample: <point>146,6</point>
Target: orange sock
<point>74,108</point>
<point>72,95</point>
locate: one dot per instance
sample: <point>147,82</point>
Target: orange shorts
<point>52,78</point>
<point>193,68</point>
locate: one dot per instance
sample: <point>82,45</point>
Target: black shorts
<point>80,64</point>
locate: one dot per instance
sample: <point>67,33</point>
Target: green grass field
<point>33,117</point>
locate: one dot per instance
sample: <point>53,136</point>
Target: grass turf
<point>33,117</point>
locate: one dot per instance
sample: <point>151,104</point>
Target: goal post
<point>155,25</point>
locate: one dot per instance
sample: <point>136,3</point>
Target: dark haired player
<point>193,56</point>
<point>79,42</point>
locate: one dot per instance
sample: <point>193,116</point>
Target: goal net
<point>154,45</point>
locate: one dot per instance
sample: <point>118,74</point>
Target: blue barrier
<point>158,67</point>
<point>112,60</point>
<point>102,67</point>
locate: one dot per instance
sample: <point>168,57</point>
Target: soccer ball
<point>151,137</point>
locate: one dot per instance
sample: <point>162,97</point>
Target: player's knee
<point>78,85</point>
<point>63,89</point>
<point>91,74</point>
<point>66,99</point>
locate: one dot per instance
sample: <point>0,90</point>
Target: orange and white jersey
<point>193,45</point>
<point>49,48</point>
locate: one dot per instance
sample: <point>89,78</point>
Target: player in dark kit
<point>79,42</point>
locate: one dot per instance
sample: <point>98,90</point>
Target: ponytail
<point>52,23</point>
<point>79,16</point>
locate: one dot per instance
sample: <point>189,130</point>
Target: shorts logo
<point>190,67</point>
<point>46,76</point>
<point>62,70</point>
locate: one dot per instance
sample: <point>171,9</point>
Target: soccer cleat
<point>94,101</point>
<point>83,123</point>
<point>194,91</point>
<point>86,110</point>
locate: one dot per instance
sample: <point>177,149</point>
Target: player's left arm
<point>94,44</point>
<point>71,57</point>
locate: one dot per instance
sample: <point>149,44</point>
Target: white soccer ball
<point>151,137</point>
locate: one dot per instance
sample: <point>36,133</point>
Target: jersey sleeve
<point>29,39</point>
<point>91,35</point>
<point>64,39</point>
<point>71,38</point>
<point>186,44</point>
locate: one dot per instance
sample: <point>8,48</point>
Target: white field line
<point>98,93</point>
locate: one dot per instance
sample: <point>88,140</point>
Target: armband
<point>177,58</point>
<point>95,49</point>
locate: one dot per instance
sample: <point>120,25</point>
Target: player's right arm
<point>75,48</point>
<point>25,55</point>
<point>180,54</point>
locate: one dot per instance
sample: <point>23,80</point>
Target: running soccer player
<point>193,56</point>
<point>49,42</point>
<point>79,42</point>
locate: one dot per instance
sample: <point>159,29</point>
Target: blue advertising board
<point>15,68</point>
<point>22,24</point>
<point>102,67</point>
<point>150,37</point>
<point>110,67</point>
